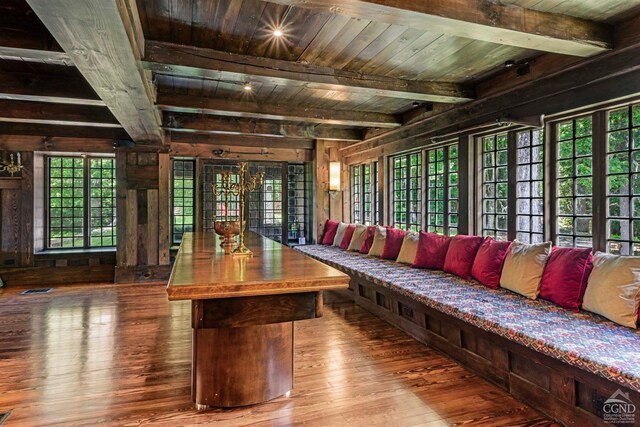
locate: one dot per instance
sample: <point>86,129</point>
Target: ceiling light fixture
<point>247,87</point>
<point>278,32</point>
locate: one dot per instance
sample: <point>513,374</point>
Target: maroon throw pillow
<point>330,229</point>
<point>368,242</point>
<point>461,254</point>
<point>348,234</point>
<point>487,266</point>
<point>565,277</point>
<point>432,251</point>
<point>392,244</point>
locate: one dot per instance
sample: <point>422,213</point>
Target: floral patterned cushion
<point>582,339</point>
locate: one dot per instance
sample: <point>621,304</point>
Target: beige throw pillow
<point>342,228</point>
<point>409,248</point>
<point>613,289</point>
<point>523,268</point>
<point>378,241</point>
<point>359,235</point>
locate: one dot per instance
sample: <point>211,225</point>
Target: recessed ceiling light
<point>247,87</point>
<point>278,32</point>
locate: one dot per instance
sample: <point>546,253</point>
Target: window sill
<point>58,252</point>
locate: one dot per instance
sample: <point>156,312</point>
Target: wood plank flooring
<point>120,355</point>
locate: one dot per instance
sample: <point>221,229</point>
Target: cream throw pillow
<point>342,228</point>
<point>378,241</point>
<point>409,248</point>
<point>523,268</point>
<point>359,234</point>
<point>613,289</point>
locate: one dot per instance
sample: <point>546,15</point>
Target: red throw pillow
<point>461,254</point>
<point>348,234</point>
<point>565,277</point>
<point>330,229</point>
<point>432,251</point>
<point>392,244</point>
<point>368,242</point>
<point>487,266</point>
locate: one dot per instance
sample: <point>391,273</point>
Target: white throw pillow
<point>359,236</point>
<point>378,241</point>
<point>523,268</point>
<point>342,228</point>
<point>409,248</point>
<point>613,289</point>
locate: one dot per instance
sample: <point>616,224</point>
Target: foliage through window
<point>406,191</point>
<point>356,194</point>
<point>495,182</point>
<point>442,190</point>
<point>530,186</point>
<point>182,218</point>
<point>81,202</point>
<point>574,183</point>
<point>623,181</point>
<point>363,194</point>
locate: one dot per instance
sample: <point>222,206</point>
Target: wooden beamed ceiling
<point>485,20</point>
<point>344,71</point>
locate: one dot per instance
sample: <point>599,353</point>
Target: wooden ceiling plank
<point>47,88</point>
<point>97,35</point>
<point>233,126</point>
<point>480,20</point>
<point>189,61</point>
<point>46,113</point>
<point>256,110</point>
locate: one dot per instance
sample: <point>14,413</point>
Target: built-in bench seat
<point>582,340</point>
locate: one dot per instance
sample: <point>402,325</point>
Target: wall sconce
<point>11,166</point>
<point>334,178</point>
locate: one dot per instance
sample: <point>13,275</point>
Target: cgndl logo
<point>619,408</point>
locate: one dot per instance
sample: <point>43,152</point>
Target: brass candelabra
<point>240,189</point>
<point>11,166</point>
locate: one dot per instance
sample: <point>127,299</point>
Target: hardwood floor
<point>120,355</point>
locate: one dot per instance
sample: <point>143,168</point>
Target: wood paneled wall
<point>327,205</point>
<point>16,216</point>
<point>143,216</point>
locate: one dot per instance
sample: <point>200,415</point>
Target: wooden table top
<point>203,271</point>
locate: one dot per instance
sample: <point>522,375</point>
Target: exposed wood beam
<point>46,113</point>
<point>602,79</point>
<point>205,151</point>
<point>47,88</point>
<point>62,131</point>
<point>102,39</point>
<point>256,110</point>
<point>238,126</point>
<point>242,141</point>
<point>11,142</point>
<point>19,45</point>
<point>486,20</point>
<point>190,61</point>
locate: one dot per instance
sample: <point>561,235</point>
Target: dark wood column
<point>143,216</point>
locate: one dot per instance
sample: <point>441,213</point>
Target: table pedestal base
<point>242,365</point>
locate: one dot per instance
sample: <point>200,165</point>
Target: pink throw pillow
<point>461,254</point>
<point>393,243</point>
<point>432,251</point>
<point>348,234</point>
<point>565,277</point>
<point>330,230</point>
<point>487,266</point>
<point>368,242</point>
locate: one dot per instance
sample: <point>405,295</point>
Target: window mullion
<point>86,200</point>
<point>599,214</point>
<point>512,161</point>
<point>445,190</point>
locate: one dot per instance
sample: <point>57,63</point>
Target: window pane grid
<point>415,192</point>
<point>452,191</point>
<point>623,181</point>
<point>66,202</point>
<point>183,198</point>
<point>399,191</point>
<point>214,206</point>
<point>375,215</point>
<point>435,190</point>
<point>574,183</point>
<point>265,210</point>
<point>366,194</point>
<point>494,186</point>
<point>355,194</point>
<point>297,197</point>
<point>530,186</point>
<point>102,215</point>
